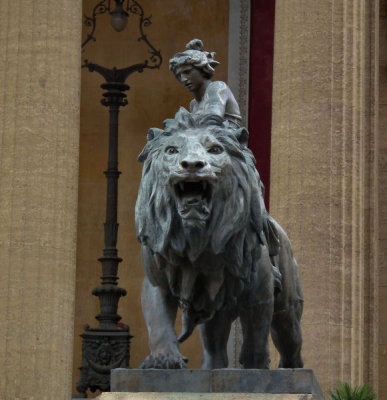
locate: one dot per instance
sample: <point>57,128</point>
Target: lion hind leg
<point>287,336</point>
<point>214,335</point>
<point>256,328</point>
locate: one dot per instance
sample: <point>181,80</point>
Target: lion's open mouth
<point>193,198</point>
<point>193,192</point>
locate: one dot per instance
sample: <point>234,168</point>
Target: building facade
<point>328,175</point>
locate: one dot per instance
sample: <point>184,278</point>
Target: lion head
<point>200,201</point>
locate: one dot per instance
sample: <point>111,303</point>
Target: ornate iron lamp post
<point>107,346</point>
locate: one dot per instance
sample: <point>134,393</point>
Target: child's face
<point>190,77</point>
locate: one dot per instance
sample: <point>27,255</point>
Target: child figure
<point>194,69</point>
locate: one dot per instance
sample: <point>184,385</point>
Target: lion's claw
<point>164,361</point>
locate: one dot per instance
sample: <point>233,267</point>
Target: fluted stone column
<point>39,130</point>
<point>324,176</point>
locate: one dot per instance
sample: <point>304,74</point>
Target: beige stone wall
<point>154,96</point>
<point>325,177</point>
<point>39,130</point>
<point>382,163</point>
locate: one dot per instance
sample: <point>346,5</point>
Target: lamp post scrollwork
<point>107,346</point>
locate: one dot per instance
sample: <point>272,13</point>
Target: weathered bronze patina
<point>194,69</point>
<point>200,218</point>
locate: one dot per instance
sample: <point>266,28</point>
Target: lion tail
<point>188,327</point>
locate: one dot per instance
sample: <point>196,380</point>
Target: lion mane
<point>206,266</point>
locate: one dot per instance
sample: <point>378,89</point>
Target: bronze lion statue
<point>201,220</point>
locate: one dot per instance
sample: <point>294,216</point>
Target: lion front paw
<point>164,361</point>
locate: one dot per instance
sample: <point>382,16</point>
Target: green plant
<point>345,391</point>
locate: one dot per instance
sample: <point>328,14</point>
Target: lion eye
<point>215,149</point>
<point>171,150</point>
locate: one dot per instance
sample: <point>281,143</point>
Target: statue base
<point>206,396</point>
<point>235,384</point>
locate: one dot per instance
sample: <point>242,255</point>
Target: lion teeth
<point>199,190</point>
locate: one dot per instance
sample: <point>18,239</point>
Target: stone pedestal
<point>206,396</point>
<point>280,384</point>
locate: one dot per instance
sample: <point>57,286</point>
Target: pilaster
<point>39,132</point>
<point>324,177</point>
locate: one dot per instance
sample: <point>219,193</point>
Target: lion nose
<point>192,165</point>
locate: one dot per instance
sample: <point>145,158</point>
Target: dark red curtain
<point>261,83</point>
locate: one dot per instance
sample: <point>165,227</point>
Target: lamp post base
<point>102,351</point>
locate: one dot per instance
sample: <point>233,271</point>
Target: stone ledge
<point>249,381</point>
<point>205,396</point>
